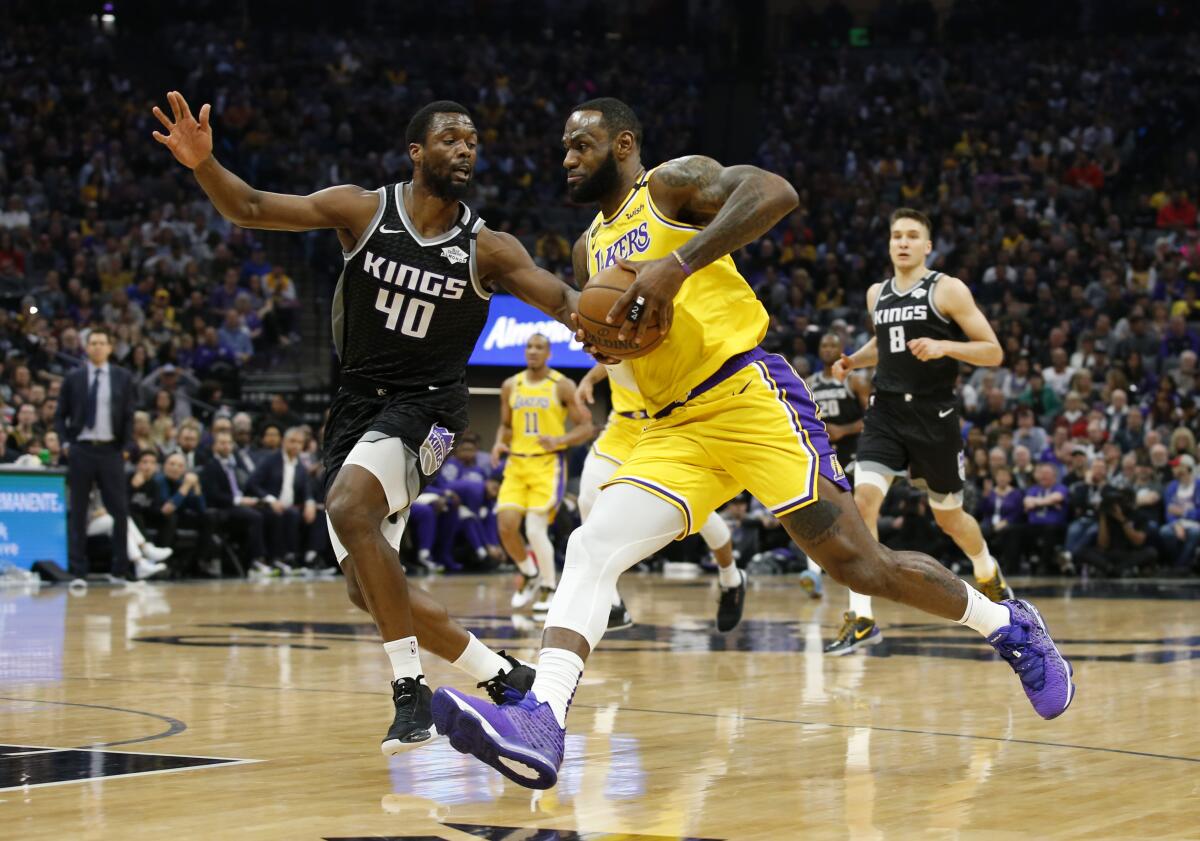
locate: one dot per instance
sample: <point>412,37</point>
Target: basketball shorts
<point>533,483</point>
<point>426,421</point>
<point>620,434</point>
<point>921,436</point>
<point>751,425</point>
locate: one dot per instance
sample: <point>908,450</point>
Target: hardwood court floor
<point>678,732</point>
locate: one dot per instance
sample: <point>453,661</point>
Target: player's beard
<point>599,184</point>
<point>442,184</point>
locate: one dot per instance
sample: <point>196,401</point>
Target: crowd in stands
<point>1031,161</point>
<point>1080,447</point>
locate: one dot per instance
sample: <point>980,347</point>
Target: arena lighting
<point>33,310</point>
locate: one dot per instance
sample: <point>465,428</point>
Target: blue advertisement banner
<point>510,324</point>
<point>33,517</point>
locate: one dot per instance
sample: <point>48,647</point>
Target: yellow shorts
<point>533,483</point>
<point>620,434</point>
<point>756,428</point>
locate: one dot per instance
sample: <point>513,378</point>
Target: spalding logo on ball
<point>602,291</point>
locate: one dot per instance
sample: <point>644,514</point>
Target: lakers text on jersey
<point>716,312</point>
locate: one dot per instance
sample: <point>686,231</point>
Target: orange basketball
<point>602,291</point>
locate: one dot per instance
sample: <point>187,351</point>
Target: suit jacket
<point>268,480</point>
<point>71,416</point>
<point>215,484</point>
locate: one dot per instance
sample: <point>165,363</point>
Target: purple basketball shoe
<point>1026,645</point>
<point>520,739</point>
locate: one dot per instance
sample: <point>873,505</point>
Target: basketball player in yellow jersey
<point>534,406</point>
<point>724,415</point>
<point>608,452</point>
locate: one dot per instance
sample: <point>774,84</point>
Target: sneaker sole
<point>620,626</point>
<point>850,649</point>
<point>394,747</point>
<point>471,734</point>
<point>1070,670</point>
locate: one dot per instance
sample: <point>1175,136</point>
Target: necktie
<point>93,399</point>
<point>233,485</point>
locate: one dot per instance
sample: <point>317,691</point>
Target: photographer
<point>1180,535</point>
<point>1084,506</point>
<point>1122,547</point>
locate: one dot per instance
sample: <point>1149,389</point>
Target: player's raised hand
<point>650,299</point>
<point>926,349</point>
<point>189,139</point>
<point>841,369</point>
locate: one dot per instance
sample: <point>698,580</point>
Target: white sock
<point>616,598</point>
<point>528,566</point>
<point>984,564</point>
<point>480,662</point>
<point>860,605</point>
<point>983,614</point>
<point>558,672</point>
<point>406,660</point>
<point>813,566</point>
<point>729,576</point>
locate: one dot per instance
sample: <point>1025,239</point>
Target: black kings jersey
<point>839,406</point>
<point>902,317</point>
<point>408,310</point>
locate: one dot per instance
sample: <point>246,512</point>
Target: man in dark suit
<point>290,517</point>
<point>95,423</point>
<point>226,493</point>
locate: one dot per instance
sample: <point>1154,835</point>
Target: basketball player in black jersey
<point>409,306</point>
<point>842,401</point>
<point>925,324</point>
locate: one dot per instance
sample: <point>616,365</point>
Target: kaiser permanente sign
<point>510,324</point>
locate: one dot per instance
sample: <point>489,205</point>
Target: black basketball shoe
<point>413,725</point>
<point>619,617</point>
<point>511,685</point>
<point>729,606</point>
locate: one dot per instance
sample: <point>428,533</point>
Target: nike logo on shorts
<point>384,229</point>
<point>945,413</point>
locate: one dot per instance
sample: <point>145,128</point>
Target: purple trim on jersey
<point>659,489</point>
<point>803,413</point>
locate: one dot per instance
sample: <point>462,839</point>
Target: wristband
<point>687,270</point>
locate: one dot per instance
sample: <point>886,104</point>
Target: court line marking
<point>905,730</point>
<point>698,714</point>
<point>174,725</point>
<point>113,777</point>
<point>47,749</point>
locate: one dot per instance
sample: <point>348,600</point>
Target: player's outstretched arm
<point>502,262</point>
<point>955,300</point>
<point>347,209</point>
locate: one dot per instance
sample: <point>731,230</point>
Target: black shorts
<point>921,436</point>
<point>407,415</point>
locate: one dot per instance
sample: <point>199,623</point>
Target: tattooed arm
<point>733,205</point>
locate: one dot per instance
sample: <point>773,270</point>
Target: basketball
<point>602,291</point>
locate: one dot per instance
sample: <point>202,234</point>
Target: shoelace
<point>847,628</point>
<point>1030,668</point>
<point>406,686</point>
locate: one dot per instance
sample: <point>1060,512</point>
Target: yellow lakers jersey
<point>536,411</point>
<point>625,395</point>
<point>716,312</point>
